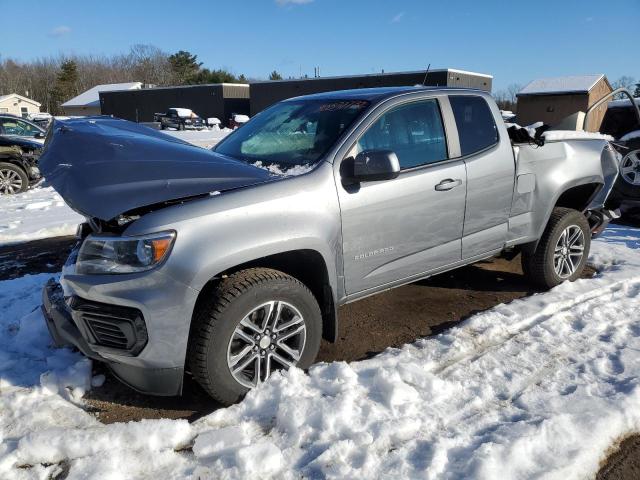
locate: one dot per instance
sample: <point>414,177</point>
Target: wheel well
<point>578,198</point>
<point>309,267</point>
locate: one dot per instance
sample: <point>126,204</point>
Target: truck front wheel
<point>258,321</point>
<point>562,251</point>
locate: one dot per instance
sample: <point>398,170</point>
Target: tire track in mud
<point>483,347</point>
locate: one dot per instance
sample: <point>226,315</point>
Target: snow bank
<point>35,214</point>
<point>540,387</point>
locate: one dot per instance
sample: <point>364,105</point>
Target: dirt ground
<point>367,327</point>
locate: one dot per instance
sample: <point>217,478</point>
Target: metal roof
<point>385,74</point>
<point>6,97</point>
<point>91,97</point>
<point>559,85</point>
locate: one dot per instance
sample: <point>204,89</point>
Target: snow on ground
<point>35,214</point>
<point>200,138</point>
<point>540,387</point>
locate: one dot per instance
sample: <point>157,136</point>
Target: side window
<point>10,127</point>
<point>27,129</point>
<point>476,126</point>
<point>413,131</point>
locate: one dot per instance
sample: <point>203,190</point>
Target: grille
<point>110,331</point>
<point>111,326</point>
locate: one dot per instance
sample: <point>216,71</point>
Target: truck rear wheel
<point>258,321</point>
<point>562,251</point>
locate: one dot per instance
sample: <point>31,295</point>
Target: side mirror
<point>39,135</point>
<point>373,165</point>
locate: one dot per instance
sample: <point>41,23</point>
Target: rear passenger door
<point>490,168</point>
<point>396,229</point>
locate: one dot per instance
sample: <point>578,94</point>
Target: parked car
<point>41,119</point>
<point>622,122</point>
<point>18,164</point>
<point>201,261</point>
<point>13,126</point>
<point>180,119</point>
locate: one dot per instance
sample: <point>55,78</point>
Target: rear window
<point>476,127</point>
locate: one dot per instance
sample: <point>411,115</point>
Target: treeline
<point>54,80</point>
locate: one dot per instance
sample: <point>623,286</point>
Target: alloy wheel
<point>569,251</point>
<point>10,182</point>
<point>630,168</point>
<point>271,337</point>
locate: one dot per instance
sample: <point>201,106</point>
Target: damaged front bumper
<point>95,329</point>
<point>599,219</point>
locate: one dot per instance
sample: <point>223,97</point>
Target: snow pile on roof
<point>625,102</point>
<point>91,97</point>
<point>540,387</point>
<point>184,112</point>
<point>34,214</point>
<point>630,135</point>
<point>239,118</point>
<point>560,135</point>
<point>571,84</point>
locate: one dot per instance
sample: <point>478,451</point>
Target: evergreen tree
<point>275,75</point>
<point>212,76</point>
<point>242,79</point>
<point>637,92</point>
<point>184,67</point>
<point>66,86</point>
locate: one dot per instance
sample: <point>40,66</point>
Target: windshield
<point>291,134</point>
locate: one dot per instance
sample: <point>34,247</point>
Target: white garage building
<point>18,105</point>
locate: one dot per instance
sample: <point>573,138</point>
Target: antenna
<point>424,82</point>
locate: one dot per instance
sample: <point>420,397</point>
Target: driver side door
<point>397,229</point>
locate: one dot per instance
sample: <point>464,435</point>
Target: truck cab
<point>231,263</point>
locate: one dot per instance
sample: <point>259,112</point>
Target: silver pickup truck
<point>231,264</point>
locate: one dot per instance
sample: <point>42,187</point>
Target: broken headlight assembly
<point>113,255</point>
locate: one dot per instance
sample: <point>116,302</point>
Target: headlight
<point>112,255</point>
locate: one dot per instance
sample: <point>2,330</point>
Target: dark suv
<point>622,123</point>
<point>19,151</point>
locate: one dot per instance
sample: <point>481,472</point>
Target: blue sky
<point>515,41</point>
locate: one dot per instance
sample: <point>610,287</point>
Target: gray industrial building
<point>219,100</point>
<point>264,94</point>
<point>224,99</point>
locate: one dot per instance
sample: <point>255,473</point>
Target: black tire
<point>539,266</point>
<point>7,170</point>
<point>623,188</point>
<point>217,318</point>
<point>162,127</point>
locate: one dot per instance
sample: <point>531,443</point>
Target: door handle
<point>448,184</point>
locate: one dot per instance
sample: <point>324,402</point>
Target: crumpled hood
<point>104,167</point>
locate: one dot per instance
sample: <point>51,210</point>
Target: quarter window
<point>413,131</point>
<point>476,127</point>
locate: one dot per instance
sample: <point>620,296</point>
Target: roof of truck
<point>375,94</point>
